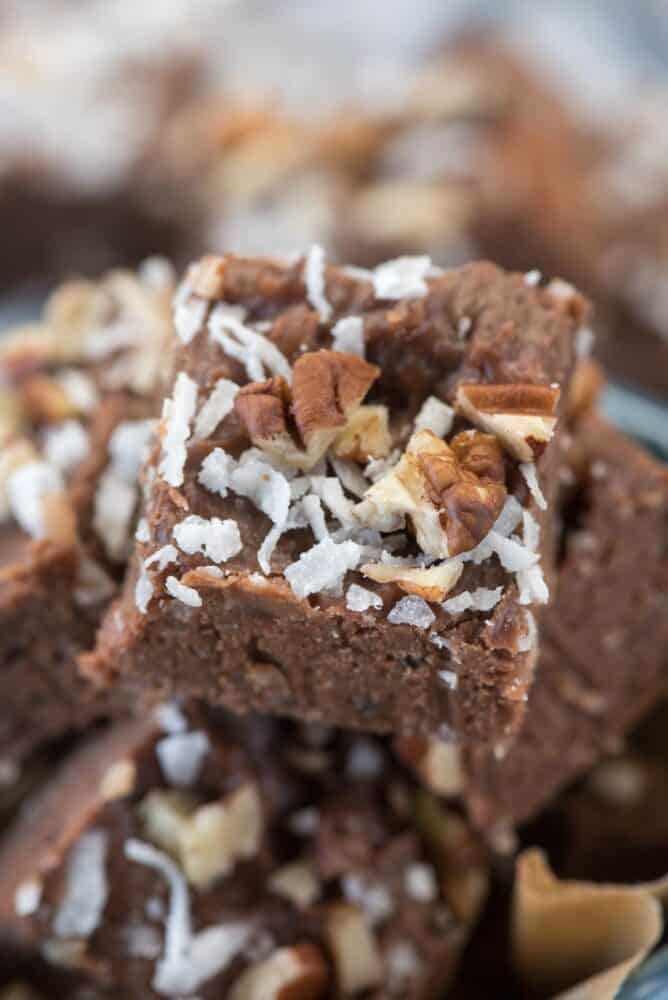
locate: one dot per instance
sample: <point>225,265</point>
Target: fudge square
<point>347,459</point>
<point>187,854</point>
<point>77,389</point>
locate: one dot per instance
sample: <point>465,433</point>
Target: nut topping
<point>432,584</point>
<point>290,973</point>
<point>297,425</point>
<point>451,507</point>
<point>207,277</point>
<point>356,956</point>
<point>437,763</point>
<point>521,416</point>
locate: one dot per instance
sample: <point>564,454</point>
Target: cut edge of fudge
<point>286,366</point>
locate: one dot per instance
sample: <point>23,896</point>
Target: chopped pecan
<point>207,278</point>
<point>451,508</point>
<point>356,955</point>
<point>298,425</point>
<point>46,401</point>
<point>365,436</point>
<point>521,416</point>
<point>432,584</point>
<point>297,972</point>
<point>437,763</point>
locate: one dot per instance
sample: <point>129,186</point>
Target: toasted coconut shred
<point>357,506</point>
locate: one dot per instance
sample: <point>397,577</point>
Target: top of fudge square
<point>389,422</point>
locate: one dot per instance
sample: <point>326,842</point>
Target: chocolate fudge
<point>77,390</point>
<point>347,460</point>
<point>604,638</point>
<point>188,854</point>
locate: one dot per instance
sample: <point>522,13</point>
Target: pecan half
<point>521,416</point>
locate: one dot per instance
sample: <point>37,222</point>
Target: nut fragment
<point>207,277</point>
<point>365,436</point>
<point>432,584</point>
<point>438,763</point>
<point>297,882</point>
<point>118,780</point>
<point>164,815</point>
<point>357,958</point>
<point>450,506</point>
<point>219,834</point>
<point>290,973</point>
<point>46,401</point>
<point>297,425</point>
<point>521,416</point>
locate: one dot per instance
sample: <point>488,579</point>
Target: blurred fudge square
<point>77,390</point>
<point>187,854</point>
<point>603,638</point>
<point>347,460</point>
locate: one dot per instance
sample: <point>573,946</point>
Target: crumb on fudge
<point>416,467</point>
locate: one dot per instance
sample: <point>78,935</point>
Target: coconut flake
<point>528,470</point>
<point>217,540</point>
<point>482,599</point>
<point>401,278</point>
<point>449,678</point>
<point>532,585</point>
<point>584,342</point>
<point>530,638</point>
<point>188,959</point>
<point>255,351</point>
<point>216,408</point>
<point>143,532</point>
<point>360,599</point>
<point>170,718</point>
<point>435,416</point>
<point>26,489</point>
<point>420,882</point>
<point>189,314</point>
<point>113,509</point>
<point>513,556</point>
<point>28,897</point>
<point>350,475</point>
<point>530,531</point>
<point>315,516</point>
<point>373,898</point>
<point>304,822</point>
<point>330,491</point>
<point>86,887</point>
<point>314,278</point>
<point>532,278</point>
<point>179,591</point>
<point>348,335</point>
<point>365,761</point>
<point>143,591</point>
<point>127,447</point>
<point>216,471</point>
<point>412,610</point>
<point>181,756</point>
<point>268,489</point>
<point>323,567</point>
<point>177,413</point>
<point>161,558</point>
<point>66,445</point>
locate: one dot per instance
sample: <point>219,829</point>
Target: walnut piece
<point>298,972</point>
<point>357,958</point>
<point>432,584</point>
<point>450,506</point>
<point>298,424</point>
<point>521,416</point>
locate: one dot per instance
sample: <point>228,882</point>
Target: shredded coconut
<point>314,278</point>
<point>435,416</point>
<point>401,278</point>
<point>27,898</point>
<point>513,556</point>
<point>188,959</point>
<point>365,761</point>
<point>216,471</point>
<point>530,637</point>
<point>179,591</point>
<point>449,678</point>
<point>142,534</point>
<point>255,352</point>
<point>350,475</point>
<point>348,335</point>
<point>26,489</point>
<point>217,540</point>
<point>161,558</point>
<point>412,610</point>
<point>66,445</point>
<point>482,599</point>
<point>584,342</point>
<point>330,491</point>
<point>127,447</point>
<point>86,887</point>
<point>315,516</point>
<point>216,408</point>
<point>268,489</point>
<point>532,278</point>
<point>464,325</point>
<point>373,898</point>
<point>113,509</point>
<point>304,822</point>
<point>530,531</point>
<point>181,756</point>
<point>178,413</point>
<point>189,314</point>
<point>420,882</point>
<point>170,718</point>
<point>360,599</point>
<point>79,388</point>
<point>143,591</point>
<point>532,585</point>
<point>323,567</point>
<point>528,470</point>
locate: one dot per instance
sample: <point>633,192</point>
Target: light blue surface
<point>650,981</point>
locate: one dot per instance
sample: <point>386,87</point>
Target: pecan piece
<point>365,436</point>
<point>432,584</point>
<point>207,277</point>
<point>298,972</point>
<point>521,416</point>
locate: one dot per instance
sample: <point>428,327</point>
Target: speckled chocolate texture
<point>344,875</point>
<point>237,635</point>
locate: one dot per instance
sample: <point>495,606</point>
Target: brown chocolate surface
<point>253,644</point>
<point>377,858</point>
<point>604,639</point>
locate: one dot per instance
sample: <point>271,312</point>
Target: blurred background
<point>531,133</point>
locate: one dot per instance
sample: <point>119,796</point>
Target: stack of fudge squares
<point>340,576</point>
